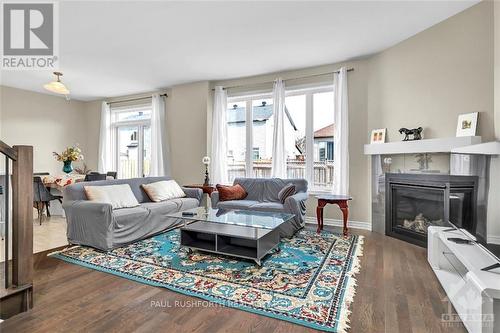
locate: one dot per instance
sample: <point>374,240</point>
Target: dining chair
<point>42,197</point>
<point>112,174</point>
<point>90,177</point>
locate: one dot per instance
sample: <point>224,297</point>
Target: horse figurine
<point>415,132</point>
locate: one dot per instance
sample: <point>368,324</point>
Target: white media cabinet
<point>474,293</point>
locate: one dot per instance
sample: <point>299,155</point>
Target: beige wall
<point>432,77</point>
<point>426,80</point>
<point>92,111</point>
<point>421,81</point>
<point>187,106</point>
<point>48,123</point>
<point>187,130</point>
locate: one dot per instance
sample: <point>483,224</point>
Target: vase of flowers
<point>67,167</point>
<point>68,156</point>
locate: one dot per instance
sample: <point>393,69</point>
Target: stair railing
<point>21,158</point>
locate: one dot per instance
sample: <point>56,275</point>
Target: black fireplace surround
<point>416,201</point>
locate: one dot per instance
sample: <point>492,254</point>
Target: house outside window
<point>256,153</point>
<point>309,126</point>
<point>131,140</point>
<point>323,144</point>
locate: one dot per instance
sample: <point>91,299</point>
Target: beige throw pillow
<point>119,196</point>
<point>163,190</point>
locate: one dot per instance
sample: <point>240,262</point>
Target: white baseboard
<point>340,223</point>
<point>494,240</point>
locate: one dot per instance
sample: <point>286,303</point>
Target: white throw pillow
<point>119,196</point>
<point>163,190</point>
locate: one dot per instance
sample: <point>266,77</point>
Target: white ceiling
<point>117,48</point>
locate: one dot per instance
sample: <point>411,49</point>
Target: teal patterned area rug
<point>309,282</point>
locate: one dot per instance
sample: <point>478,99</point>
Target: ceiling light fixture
<point>57,86</point>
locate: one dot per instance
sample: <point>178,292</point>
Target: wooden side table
<point>339,200</point>
<point>208,189</point>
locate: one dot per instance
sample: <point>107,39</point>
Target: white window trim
<point>244,98</point>
<point>313,90</point>
<point>309,139</point>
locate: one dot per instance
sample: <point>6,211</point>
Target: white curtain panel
<point>160,162</point>
<point>219,137</point>
<point>341,138</point>
<point>104,163</point>
<point>279,153</point>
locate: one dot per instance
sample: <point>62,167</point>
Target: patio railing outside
<point>323,171</point>
<point>129,168</point>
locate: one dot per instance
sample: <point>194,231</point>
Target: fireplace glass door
<point>415,208</point>
<point>461,210</point>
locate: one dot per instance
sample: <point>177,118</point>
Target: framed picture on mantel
<point>378,135</point>
<point>467,124</point>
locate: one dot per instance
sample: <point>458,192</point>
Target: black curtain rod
<point>134,99</point>
<point>294,78</point>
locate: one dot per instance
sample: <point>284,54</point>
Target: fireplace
<point>416,201</point>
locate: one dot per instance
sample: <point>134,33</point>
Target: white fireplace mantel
<point>443,145</point>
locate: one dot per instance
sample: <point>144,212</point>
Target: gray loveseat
<point>263,196</point>
<point>98,225</point>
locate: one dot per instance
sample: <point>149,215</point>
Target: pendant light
<point>57,86</point>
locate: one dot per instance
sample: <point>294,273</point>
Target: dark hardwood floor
<point>397,292</point>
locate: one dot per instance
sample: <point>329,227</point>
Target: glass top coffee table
<point>239,233</point>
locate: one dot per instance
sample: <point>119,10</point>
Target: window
<point>309,126</point>
<point>309,138</point>
<point>322,154</point>
<point>295,135</point>
<point>262,137</point>
<point>252,132</point>
<point>131,136</point>
<point>256,153</point>
<point>144,114</point>
<point>236,139</point>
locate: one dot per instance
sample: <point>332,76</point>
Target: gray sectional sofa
<point>263,196</point>
<point>97,225</point>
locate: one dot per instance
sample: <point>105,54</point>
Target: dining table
<point>58,182</point>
